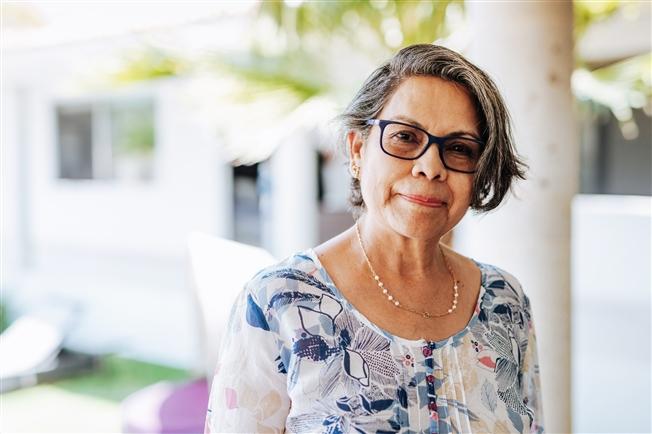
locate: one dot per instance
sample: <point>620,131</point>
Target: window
<point>75,128</point>
<point>106,139</point>
<point>246,207</point>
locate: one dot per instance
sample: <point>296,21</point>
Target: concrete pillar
<point>293,196</point>
<point>527,48</point>
<point>23,220</point>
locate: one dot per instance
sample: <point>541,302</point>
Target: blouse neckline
<point>405,341</point>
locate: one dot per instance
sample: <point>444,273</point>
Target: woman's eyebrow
<point>411,121</point>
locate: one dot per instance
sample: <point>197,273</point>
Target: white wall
<point>115,252</point>
<point>611,330</point>
<point>149,217</point>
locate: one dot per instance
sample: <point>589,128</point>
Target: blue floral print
<point>298,357</point>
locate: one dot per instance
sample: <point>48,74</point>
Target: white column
<point>527,48</point>
<point>15,186</point>
<point>294,207</point>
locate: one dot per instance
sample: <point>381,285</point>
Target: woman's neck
<point>413,259</point>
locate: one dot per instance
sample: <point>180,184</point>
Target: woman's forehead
<point>434,104</point>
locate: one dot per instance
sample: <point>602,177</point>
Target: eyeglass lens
<point>402,141</point>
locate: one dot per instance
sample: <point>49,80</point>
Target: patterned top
<point>298,357</point>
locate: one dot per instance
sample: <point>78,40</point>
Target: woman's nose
<point>430,164</point>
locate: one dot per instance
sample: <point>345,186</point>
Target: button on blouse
<point>298,357</point>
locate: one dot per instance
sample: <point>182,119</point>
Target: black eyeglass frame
<point>382,123</point>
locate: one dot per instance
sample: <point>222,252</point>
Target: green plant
<point>4,321</point>
<point>133,129</point>
<point>148,63</point>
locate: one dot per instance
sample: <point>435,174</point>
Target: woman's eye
<point>406,137</point>
<point>461,149</point>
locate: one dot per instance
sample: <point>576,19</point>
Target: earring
<point>355,171</point>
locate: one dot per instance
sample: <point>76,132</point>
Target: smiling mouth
<point>422,200</point>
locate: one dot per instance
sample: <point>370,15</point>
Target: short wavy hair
<point>499,165</point>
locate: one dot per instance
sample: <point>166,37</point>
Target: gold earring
<point>355,169</point>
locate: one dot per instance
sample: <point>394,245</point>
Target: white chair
<point>28,346</point>
<point>220,268</point>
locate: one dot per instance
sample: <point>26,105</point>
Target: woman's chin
<point>417,226</point>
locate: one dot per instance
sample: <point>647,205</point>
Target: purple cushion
<point>166,407</point>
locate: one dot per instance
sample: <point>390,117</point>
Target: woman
<point>383,328</point>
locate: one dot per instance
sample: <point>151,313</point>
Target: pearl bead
<point>391,298</point>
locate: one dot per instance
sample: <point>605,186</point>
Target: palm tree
<point>327,47</point>
<point>305,47</point>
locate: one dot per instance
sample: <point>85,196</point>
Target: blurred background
<point>151,150</point>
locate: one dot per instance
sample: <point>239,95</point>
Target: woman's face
<point>439,107</point>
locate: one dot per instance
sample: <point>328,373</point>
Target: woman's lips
<point>423,200</point>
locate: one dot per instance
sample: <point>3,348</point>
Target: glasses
<point>407,142</point>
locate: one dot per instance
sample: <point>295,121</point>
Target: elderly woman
<point>384,328</point>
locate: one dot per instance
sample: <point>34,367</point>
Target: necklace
<point>393,299</point>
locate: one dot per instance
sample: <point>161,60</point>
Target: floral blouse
<point>298,357</point>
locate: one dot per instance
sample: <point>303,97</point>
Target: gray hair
<point>499,164</point>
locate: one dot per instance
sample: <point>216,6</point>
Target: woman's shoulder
<point>502,284</point>
<point>495,279</point>
<point>295,275</point>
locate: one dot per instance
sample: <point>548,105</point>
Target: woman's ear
<point>355,144</point>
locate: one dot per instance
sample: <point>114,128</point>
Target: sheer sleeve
<point>249,392</point>
<point>530,375</point>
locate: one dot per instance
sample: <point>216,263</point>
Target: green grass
<point>117,378</point>
<point>88,403</point>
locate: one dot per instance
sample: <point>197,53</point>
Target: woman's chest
<point>423,317</point>
<point>345,375</point>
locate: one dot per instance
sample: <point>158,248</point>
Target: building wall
<point>113,252</point>
<point>613,164</point>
